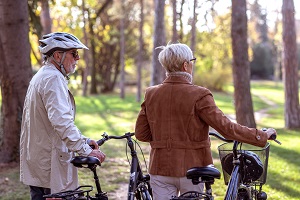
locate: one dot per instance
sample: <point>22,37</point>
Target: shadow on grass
<point>278,179</point>
<point>109,113</point>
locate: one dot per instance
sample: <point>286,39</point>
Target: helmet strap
<point>62,68</point>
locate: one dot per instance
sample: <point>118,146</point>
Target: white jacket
<point>49,137</point>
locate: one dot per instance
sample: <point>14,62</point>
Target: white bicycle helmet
<point>59,41</point>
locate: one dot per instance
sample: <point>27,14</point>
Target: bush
<point>214,79</point>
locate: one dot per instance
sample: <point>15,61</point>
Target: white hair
<point>173,56</point>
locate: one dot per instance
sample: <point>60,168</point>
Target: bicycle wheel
<point>143,193</point>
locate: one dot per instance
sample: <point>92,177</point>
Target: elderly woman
<point>175,118</point>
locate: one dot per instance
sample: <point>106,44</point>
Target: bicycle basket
<point>254,162</point>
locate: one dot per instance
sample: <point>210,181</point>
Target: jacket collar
<point>178,77</point>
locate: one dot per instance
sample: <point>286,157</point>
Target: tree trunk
<point>86,70</point>
<point>45,17</point>
<point>93,56</point>
<point>194,22</point>
<point>141,54</point>
<point>16,73</point>
<point>180,37</point>
<point>174,28</point>
<point>241,67</point>
<point>290,66</point>
<point>122,53</point>
<point>157,75</point>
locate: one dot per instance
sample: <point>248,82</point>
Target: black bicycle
<point>139,183</point>
<point>244,168</point>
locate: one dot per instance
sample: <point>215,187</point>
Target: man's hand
<point>96,151</point>
<point>93,144</point>
<point>98,154</point>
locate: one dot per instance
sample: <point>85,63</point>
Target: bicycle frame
<point>235,180</point>
<point>139,186</point>
<point>136,175</point>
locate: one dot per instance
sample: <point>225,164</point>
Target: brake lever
<point>273,137</point>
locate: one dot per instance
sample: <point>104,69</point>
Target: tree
<point>157,74</point>
<point>15,74</point>
<point>86,71</point>
<point>240,66</point>
<point>140,54</point>
<point>193,24</point>
<point>122,52</point>
<point>290,66</point>
<point>45,17</point>
<point>174,28</point>
<point>262,65</point>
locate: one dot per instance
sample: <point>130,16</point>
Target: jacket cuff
<point>261,136</point>
<point>85,150</point>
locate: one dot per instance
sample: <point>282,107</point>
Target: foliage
<point>263,51</point>
<point>213,48</point>
<point>213,66</point>
<point>104,35</point>
<point>262,65</point>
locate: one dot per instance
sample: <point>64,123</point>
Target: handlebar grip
<point>101,141</point>
<point>273,137</point>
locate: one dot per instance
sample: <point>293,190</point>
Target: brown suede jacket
<point>175,118</point>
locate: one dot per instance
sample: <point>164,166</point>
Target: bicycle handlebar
<point>108,137</point>
<point>219,136</point>
<point>129,134</point>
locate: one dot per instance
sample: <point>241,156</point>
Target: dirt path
<point>260,114</point>
<point>119,194</point>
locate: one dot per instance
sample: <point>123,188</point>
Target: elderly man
<point>49,137</point>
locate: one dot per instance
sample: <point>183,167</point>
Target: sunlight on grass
<point>108,113</point>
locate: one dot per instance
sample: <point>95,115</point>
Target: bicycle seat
<point>207,173</point>
<point>79,161</point>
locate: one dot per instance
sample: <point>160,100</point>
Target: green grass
<point>282,181</point>
<point>109,113</point>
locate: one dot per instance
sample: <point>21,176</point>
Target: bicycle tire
<point>191,195</point>
<point>143,194</point>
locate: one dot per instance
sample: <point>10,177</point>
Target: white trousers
<point>164,187</point>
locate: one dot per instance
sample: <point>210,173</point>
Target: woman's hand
<point>270,132</point>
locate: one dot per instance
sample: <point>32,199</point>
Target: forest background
<point>234,42</point>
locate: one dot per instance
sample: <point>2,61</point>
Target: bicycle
<point>244,168</point>
<point>139,184</point>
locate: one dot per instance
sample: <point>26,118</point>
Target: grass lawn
<point>109,113</point>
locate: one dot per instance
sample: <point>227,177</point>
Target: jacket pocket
<point>64,157</point>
